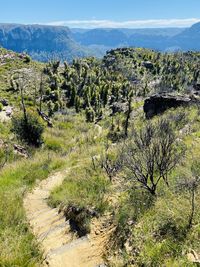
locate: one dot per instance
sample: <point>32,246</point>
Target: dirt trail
<point>61,248</point>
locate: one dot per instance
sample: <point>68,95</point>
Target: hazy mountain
<point>128,32</point>
<point>101,37</point>
<point>47,42</point>
<point>42,42</point>
<point>154,31</point>
<point>167,39</point>
<point>189,39</point>
<point>156,38</point>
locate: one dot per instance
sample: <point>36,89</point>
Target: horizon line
<point>131,24</point>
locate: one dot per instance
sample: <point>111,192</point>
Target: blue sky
<point>102,13</point>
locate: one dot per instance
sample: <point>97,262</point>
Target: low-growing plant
<point>28,129</point>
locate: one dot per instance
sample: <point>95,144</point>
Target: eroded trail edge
<point>61,247</point>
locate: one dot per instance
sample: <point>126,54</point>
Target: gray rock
<point>4,102</point>
<point>159,103</point>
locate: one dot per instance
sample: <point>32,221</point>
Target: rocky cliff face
<point>40,40</point>
<point>159,103</point>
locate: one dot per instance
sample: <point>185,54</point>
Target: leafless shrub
<point>110,163</point>
<point>151,154</point>
<point>190,184</point>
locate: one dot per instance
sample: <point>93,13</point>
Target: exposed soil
<point>63,248</point>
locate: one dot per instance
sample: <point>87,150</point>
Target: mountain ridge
<point>41,41</point>
<point>44,42</point>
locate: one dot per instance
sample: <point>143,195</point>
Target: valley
<point>45,43</point>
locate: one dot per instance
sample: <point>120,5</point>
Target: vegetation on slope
<point>94,123</point>
<point>41,42</point>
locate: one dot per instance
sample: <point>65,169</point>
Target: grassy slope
<point>159,235</point>
<point>10,67</point>
<point>64,145</point>
<point>18,246</point>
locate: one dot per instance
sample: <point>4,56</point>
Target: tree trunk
<point>128,117</point>
<point>192,209</point>
<point>23,105</point>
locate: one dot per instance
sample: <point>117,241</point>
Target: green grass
<point>13,66</point>
<point>68,143</point>
<point>82,187</point>
<point>156,228</point>
<point>18,246</point>
<point>159,234</point>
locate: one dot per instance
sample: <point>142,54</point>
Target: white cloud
<point>153,23</point>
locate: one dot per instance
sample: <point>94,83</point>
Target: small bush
<point>27,59</point>
<point>28,130</point>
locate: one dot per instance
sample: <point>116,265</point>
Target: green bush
<point>28,130</point>
<point>27,59</point>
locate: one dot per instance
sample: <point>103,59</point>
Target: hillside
<point>188,39</point>
<point>112,38</point>
<point>99,160</point>
<point>43,43</point>
<point>158,39</point>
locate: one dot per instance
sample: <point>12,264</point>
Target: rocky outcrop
<point>159,103</point>
<point>147,64</point>
<point>20,150</point>
<point>45,118</point>
<point>4,102</point>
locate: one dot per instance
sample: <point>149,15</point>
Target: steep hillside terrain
<point>188,39</point>
<point>91,168</point>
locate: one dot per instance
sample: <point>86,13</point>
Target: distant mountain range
<point>41,42</point>
<point>55,42</point>
<point>167,39</point>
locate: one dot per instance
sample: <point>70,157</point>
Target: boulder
<point>4,102</point>
<point>147,64</point>
<point>9,111</point>
<point>196,87</point>
<point>193,257</point>
<point>118,107</point>
<point>20,150</point>
<point>158,103</point>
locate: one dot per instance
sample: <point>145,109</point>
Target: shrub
<point>90,114</point>
<point>28,130</point>
<point>151,154</point>
<point>27,59</point>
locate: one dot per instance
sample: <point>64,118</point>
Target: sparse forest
<point>131,181</point>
